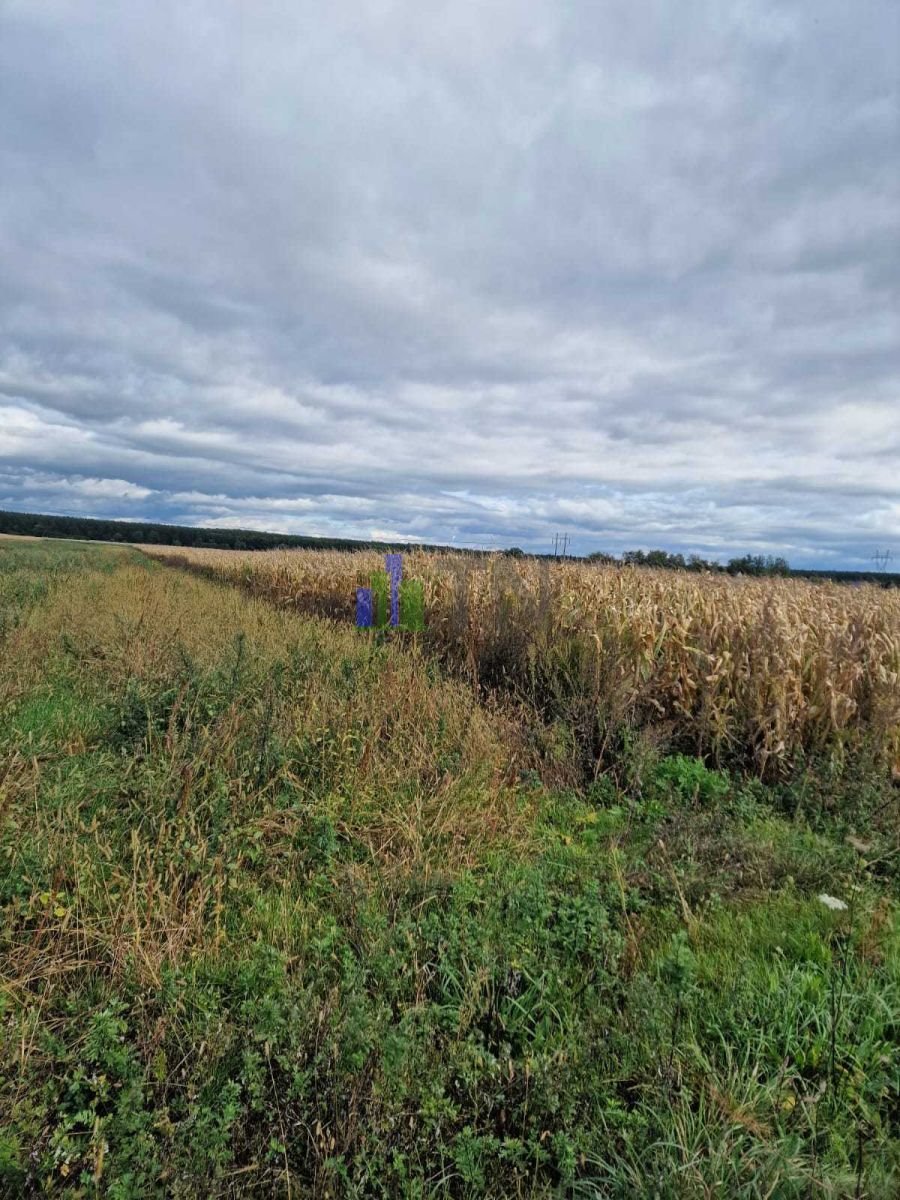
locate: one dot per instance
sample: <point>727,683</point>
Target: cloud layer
<point>469,273</point>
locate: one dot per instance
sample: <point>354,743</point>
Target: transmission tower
<point>560,539</point>
<point>881,559</point>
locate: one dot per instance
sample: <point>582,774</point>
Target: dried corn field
<point>763,673</point>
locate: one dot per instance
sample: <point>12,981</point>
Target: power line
<point>560,539</point>
<point>881,559</point>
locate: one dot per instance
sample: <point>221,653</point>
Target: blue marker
<point>390,600</point>
<point>364,608</point>
<point>393,564</point>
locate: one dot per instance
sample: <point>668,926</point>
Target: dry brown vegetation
<point>411,770</point>
<point>370,716</point>
<point>762,672</point>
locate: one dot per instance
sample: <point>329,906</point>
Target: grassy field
<point>291,909</point>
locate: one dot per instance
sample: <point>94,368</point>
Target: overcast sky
<point>469,272</point>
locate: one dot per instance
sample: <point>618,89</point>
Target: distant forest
<point>747,564</point>
<point>153,533</point>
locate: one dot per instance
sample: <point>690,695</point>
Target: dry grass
<point>758,671</point>
<point>248,719</point>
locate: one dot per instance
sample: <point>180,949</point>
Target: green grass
<point>285,912</point>
<point>29,569</point>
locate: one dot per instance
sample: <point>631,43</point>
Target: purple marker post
<point>364,608</point>
<point>393,564</point>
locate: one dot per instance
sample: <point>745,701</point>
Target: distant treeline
<point>152,533</point>
<point>882,578</point>
<point>747,564</point>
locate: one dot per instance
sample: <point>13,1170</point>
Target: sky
<point>471,273</point>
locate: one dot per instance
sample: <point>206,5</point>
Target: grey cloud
<point>470,272</point>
